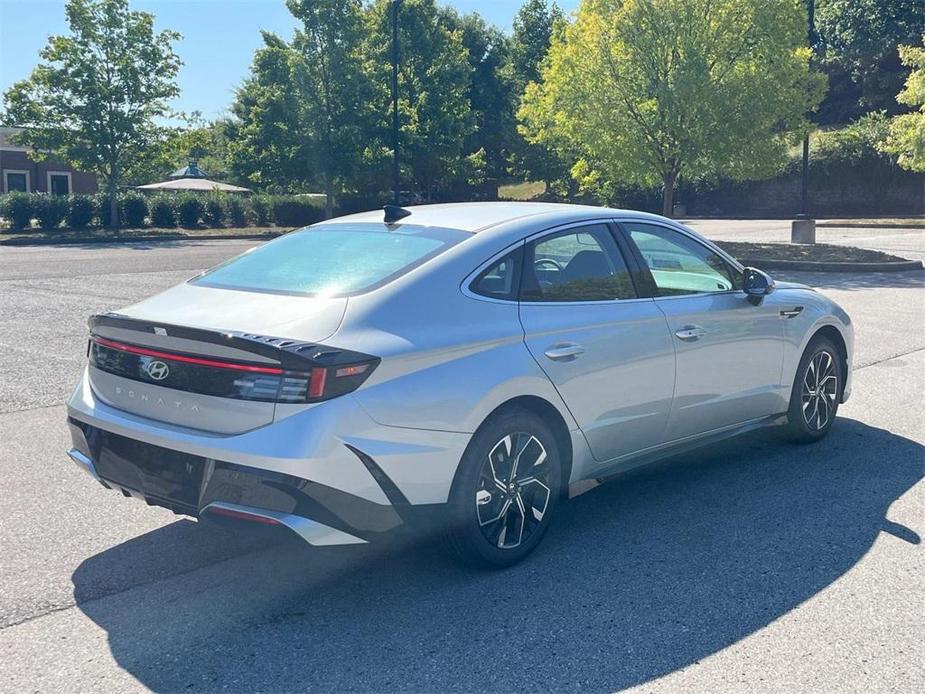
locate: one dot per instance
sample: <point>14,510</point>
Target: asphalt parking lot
<point>751,566</point>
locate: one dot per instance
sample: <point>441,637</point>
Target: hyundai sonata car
<point>456,367</point>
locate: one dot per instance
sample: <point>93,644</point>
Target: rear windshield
<point>331,260</point>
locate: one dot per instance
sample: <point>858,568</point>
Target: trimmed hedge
<point>215,211</point>
<point>190,209</point>
<point>262,206</point>
<point>296,211</point>
<point>50,210</point>
<point>17,208</point>
<point>163,212</point>
<point>167,210</point>
<point>133,209</point>
<point>81,211</point>
<point>237,212</point>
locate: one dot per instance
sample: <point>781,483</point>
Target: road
<point>754,565</point>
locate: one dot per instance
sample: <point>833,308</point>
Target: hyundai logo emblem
<point>157,370</point>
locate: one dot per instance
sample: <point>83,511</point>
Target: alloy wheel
<point>819,391</point>
<point>513,491</point>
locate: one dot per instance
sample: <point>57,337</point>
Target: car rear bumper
<point>348,482</point>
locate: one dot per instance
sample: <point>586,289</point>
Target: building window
<point>59,182</point>
<point>16,181</point>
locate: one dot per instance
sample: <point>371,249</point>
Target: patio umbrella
<point>195,184</point>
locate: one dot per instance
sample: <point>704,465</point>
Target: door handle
<point>564,351</point>
<point>689,333</point>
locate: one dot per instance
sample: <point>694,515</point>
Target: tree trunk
<point>328,197</point>
<point>668,181</point>
<point>112,193</point>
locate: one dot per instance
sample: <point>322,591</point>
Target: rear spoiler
<point>291,355</point>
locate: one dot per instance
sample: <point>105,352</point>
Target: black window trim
<point>628,261</point>
<point>652,287</point>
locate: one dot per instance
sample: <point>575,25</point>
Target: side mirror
<point>757,284</point>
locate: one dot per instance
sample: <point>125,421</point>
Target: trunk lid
<point>211,359</point>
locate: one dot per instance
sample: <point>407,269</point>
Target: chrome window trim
<point>709,245</point>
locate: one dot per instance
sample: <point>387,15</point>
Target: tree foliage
<point>639,91</point>
<point>534,25</point>
<point>857,42</point>
<point>492,94</point>
<point>302,115</point>
<point>907,131</point>
<point>95,98</point>
<point>433,85</point>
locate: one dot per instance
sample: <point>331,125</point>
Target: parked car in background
<point>453,366</point>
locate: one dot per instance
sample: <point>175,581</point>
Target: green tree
<point>491,90</point>
<point>95,98</point>
<point>303,112</point>
<point>265,145</point>
<point>533,28</point>
<point>643,90</point>
<point>907,131</point>
<point>857,40</point>
<point>534,25</point>
<point>434,80</point>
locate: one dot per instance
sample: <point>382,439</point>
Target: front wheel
<point>505,492</point>
<point>816,392</point>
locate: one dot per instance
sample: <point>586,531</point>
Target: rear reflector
<point>243,515</point>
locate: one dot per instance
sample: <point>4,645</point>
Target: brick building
<point>19,171</point>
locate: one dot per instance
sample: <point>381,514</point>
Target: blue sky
<point>219,38</point>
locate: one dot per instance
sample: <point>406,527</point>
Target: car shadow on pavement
<point>637,578</point>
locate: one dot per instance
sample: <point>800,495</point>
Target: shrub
<point>163,213</point>
<point>102,209</point>
<point>263,210</point>
<point>237,212</point>
<point>17,208</point>
<point>133,208</point>
<point>215,210</point>
<point>296,211</point>
<point>857,144</point>
<point>81,211</point>
<point>190,210</point>
<point>50,210</point>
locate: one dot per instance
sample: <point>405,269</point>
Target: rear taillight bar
<point>170,356</point>
<point>306,372</point>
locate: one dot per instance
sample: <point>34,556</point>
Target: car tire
<point>496,518</point>
<point>816,392</point>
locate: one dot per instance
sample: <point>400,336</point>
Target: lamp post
<point>396,173</point>
<point>803,229</point>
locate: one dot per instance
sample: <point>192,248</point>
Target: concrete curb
<point>14,241</point>
<point>861,225</point>
<point>814,266</point>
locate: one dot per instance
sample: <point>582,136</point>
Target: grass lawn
<point>820,252</point>
<point>528,190</point>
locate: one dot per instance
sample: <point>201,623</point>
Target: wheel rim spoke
<point>513,492</point>
<point>819,391</point>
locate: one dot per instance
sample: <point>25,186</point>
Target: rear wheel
<point>816,391</point>
<point>505,491</point>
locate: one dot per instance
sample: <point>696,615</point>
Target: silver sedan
<point>459,368</point>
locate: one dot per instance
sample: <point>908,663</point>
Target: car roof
<point>475,217</point>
